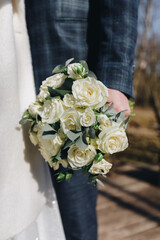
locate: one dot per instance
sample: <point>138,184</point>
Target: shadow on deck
<point>129,204</point>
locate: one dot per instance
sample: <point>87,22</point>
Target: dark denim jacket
<point>103,32</point>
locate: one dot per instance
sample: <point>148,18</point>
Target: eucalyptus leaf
<point>120,116</point>
<point>67,85</point>
<point>92,132</point>
<point>58,92</point>
<point>111,112</point>
<point>99,182</point>
<point>73,136</point>
<point>85,65</point>
<point>84,138</point>
<point>80,144</point>
<point>108,109</point>
<point>47,128</point>
<point>59,69</point>
<point>68,61</point>
<point>92,178</point>
<point>91,74</point>
<point>56,126</point>
<point>67,144</point>
<point>48,136</point>
<point>33,125</point>
<point>23,121</point>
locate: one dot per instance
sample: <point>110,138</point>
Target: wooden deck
<point>129,204</point>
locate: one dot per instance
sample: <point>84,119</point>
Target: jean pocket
<point>74,10</point>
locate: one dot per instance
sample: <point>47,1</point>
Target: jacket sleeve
<point>117,42</point>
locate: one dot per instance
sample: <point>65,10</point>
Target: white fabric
<point>45,226</point>
<point>24,178</point>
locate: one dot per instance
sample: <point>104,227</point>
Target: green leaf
<point>126,121</point>
<point>79,71</point>
<point>32,127</point>
<point>99,157</point>
<point>47,128</point>
<point>84,138</point>
<point>80,143</point>
<point>49,133</point>
<point>68,61</point>
<point>68,176</point>
<point>26,117</point>
<point>99,182</point>
<point>56,126</point>
<point>54,159</point>
<point>23,121</point>
<point>48,136</point>
<point>85,65</point>
<point>61,176</point>
<point>109,108</point>
<point>67,144</point>
<point>91,74</point>
<point>132,115</point>
<point>85,169</point>
<point>120,116</point>
<point>92,179</point>
<point>67,85</point>
<point>92,132</point>
<point>58,92</point>
<point>73,135</point>
<point>59,69</point>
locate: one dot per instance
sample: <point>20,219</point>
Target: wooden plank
<point>128,231</point>
<point>128,208</point>
<point>152,234</point>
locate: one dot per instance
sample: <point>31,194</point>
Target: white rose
<point>52,110</point>
<point>101,167</point>
<point>50,147</point>
<point>113,139</point>
<point>104,121</point>
<point>54,81</point>
<point>33,137</point>
<point>45,154</point>
<point>89,92</point>
<point>70,120</point>
<point>55,165</point>
<point>88,118</point>
<point>93,142</point>
<point>34,109</point>
<point>68,100</point>
<point>76,70</point>
<point>78,158</point>
<point>43,94</point>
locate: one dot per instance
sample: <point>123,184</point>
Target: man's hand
<point>120,101</point>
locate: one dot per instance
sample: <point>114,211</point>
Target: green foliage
<point>91,74</point>
<point>92,132</point>
<point>49,132</point>
<point>85,169</point>
<point>68,61</point>
<point>84,64</point>
<point>99,157</point>
<point>67,85</point>
<point>59,69</point>
<point>64,175</point>
<point>92,179</point>
<point>58,92</point>
<point>26,118</point>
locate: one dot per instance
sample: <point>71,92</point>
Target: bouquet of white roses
<point>73,124</point>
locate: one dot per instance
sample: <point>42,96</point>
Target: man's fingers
<point>120,101</point>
